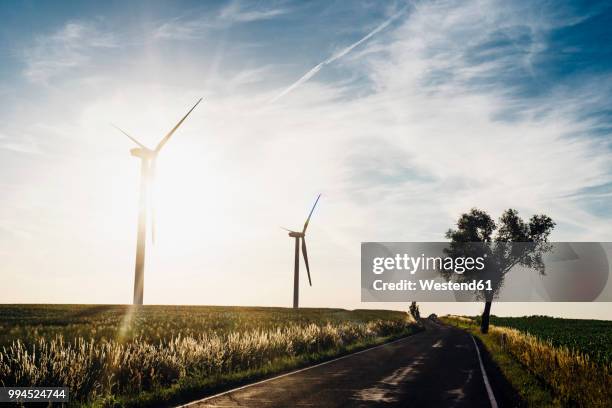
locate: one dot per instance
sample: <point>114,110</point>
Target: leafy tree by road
<point>476,226</point>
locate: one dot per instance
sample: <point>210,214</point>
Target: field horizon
<point>399,309</point>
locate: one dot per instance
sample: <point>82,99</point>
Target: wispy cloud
<point>453,101</point>
<point>341,53</point>
<point>71,46</point>
<point>25,144</point>
<point>182,29</point>
<point>235,12</point>
<point>249,76</point>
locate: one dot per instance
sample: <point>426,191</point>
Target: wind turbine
<point>296,271</point>
<point>147,174</point>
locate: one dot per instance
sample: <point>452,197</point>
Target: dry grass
<point>94,369</point>
<point>572,375</point>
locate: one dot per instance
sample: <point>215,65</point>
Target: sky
<point>402,114</point>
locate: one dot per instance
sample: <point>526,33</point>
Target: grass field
<point>155,355</point>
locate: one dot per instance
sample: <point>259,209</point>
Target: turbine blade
<point>131,138</point>
<point>310,215</point>
<point>306,259</point>
<point>286,229</point>
<point>165,138</point>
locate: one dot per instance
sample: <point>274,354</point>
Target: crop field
<point>571,357</point>
<point>156,355</point>
<point>589,337</point>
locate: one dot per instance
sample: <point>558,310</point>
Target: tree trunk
<point>484,323</point>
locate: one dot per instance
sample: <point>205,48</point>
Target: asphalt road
<point>435,368</point>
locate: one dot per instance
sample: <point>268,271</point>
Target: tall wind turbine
<point>296,270</point>
<point>147,174</point>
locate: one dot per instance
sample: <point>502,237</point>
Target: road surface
<point>435,368</point>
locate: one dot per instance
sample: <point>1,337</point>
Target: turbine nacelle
<point>143,153</point>
<point>294,234</point>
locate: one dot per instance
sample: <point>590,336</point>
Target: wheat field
<point>105,353</point>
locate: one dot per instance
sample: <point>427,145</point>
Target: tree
<point>414,311</point>
<point>477,226</point>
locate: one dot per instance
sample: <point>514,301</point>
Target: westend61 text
<point>430,284</point>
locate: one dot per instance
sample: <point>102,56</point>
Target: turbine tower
<point>296,270</point>
<point>147,174</point>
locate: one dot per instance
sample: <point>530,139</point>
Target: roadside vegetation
<point>120,356</point>
<point>543,373</point>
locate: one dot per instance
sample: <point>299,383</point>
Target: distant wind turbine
<point>147,174</point>
<point>296,271</point>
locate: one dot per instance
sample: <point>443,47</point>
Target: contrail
<point>306,77</point>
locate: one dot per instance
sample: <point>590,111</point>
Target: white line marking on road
<point>398,375</point>
<point>290,373</point>
<point>484,377</point>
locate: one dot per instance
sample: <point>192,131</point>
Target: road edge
<point>210,397</point>
<point>485,378</point>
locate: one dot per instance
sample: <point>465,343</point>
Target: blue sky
<point>403,114</point>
